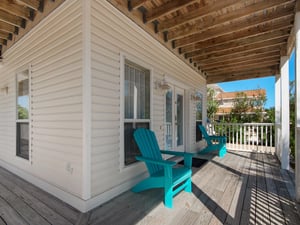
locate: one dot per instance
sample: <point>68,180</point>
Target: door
<point>174,119</point>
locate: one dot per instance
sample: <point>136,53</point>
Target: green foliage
<point>212,104</point>
<point>292,117</point>
<point>270,115</point>
<point>22,113</point>
<point>242,105</point>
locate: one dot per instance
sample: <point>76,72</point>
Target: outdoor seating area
<point>241,188</point>
<point>78,78</point>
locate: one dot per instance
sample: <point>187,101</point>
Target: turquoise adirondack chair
<point>161,172</point>
<point>214,143</point>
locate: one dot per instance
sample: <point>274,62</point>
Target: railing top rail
<point>246,124</point>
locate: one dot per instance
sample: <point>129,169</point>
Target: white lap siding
<point>54,51</point>
<point>114,35</point>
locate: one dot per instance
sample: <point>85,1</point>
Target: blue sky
<point>267,83</point>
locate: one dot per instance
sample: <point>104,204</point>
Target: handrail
<point>259,137</point>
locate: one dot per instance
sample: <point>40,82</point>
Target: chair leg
<point>169,197</point>
<point>222,152</point>
<point>188,187</point>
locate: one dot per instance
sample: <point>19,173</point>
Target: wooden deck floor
<point>242,188</point>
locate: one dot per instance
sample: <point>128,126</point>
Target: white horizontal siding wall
<point>54,51</point>
<point>114,35</point>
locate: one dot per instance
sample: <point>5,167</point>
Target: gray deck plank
<point>235,210</point>
<point>24,210</point>
<point>262,202</point>
<point>60,207</point>
<point>9,215</point>
<point>221,212</point>
<point>41,208</point>
<point>288,206</point>
<point>275,210</point>
<point>248,212</point>
<point>210,196</point>
<point>242,188</point>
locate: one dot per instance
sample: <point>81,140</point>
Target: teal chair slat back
<point>147,143</point>
<point>205,134</point>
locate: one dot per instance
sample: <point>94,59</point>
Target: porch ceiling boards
<point>226,40</point>
<point>17,17</point>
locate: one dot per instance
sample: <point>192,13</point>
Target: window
<point>137,106</point>
<point>198,115</point>
<point>23,114</point>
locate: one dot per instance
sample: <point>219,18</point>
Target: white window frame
<point>20,70</point>
<point>123,58</point>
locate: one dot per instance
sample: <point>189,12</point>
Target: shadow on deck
<point>242,188</point>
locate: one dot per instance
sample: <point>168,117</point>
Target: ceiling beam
<point>240,25</point>
<point>251,47</point>
<point>204,49</point>
<point>7,27</point>
<point>134,4</point>
<point>216,26</point>
<point>244,66</point>
<point>238,55</point>
<point>270,69</point>
<point>4,35</point>
<point>9,18</point>
<point>33,4</point>
<point>243,70</point>
<point>167,8</point>
<point>222,78</point>
<point>257,30</point>
<point>196,14</point>
<point>245,60</point>
<point>17,10</point>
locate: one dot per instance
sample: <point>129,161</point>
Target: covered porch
<point>242,188</point>
<point>221,41</point>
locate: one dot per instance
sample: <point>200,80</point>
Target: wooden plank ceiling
<point>17,17</point>
<point>225,40</point>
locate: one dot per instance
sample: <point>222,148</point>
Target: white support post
<point>278,142</point>
<point>297,122</point>
<point>285,113</point>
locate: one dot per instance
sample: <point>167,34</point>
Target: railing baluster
<point>246,136</point>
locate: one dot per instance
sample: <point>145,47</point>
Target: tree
<point>212,104</point>
<point>243,105</point>
<point>22,112</point>
<point>258,104</point>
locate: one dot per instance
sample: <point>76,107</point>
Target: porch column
<point>278,142</point>
<point>285,113</point>
<point>297,122</point>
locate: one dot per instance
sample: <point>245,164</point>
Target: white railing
<point>258,137</point>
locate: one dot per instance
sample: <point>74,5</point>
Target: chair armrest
<point>216,137</point>
<point>158,162</point>
<point>177,153</point>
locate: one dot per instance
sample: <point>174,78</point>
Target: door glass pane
<point>199,105</point>
<point>23,95</point>
<point>168,124</point>
<point>23,140</point>
<point>179,138</point>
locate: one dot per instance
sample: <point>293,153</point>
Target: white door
<point>174,119</point>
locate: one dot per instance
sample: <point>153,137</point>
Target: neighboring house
<point>73,90</point>
<point>226,100</point>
